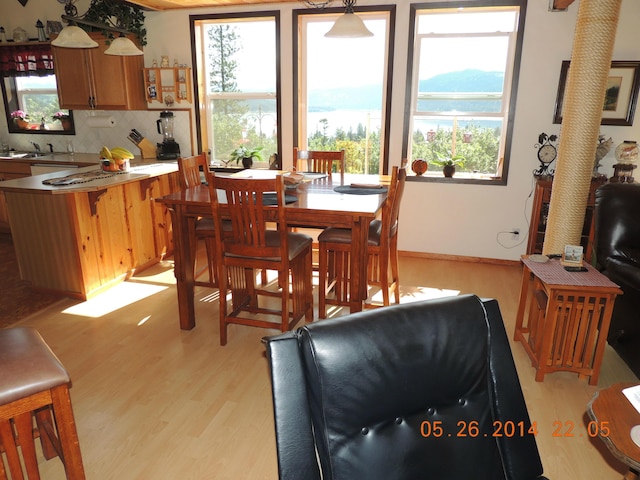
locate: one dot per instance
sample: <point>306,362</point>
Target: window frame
<point>12,98</point>
<point>295,41</point>
<point>511,85</point>
<point>196,73</point>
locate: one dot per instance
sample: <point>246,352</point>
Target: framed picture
<point>572,256</point>
<point>621,97</point>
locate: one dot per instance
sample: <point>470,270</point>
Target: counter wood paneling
<point>79,240</point>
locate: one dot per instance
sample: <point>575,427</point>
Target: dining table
<point>346,201</point>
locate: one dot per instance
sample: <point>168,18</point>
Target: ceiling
<point>176,4</point>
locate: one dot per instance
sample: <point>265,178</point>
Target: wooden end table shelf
<point>568,316</point>
<point>610,408</point>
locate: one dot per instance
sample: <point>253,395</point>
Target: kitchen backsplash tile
<point>89,139</point>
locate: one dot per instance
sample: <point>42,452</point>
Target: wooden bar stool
<point>34,385</point>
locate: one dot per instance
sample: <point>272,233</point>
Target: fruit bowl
<point>115,165</point>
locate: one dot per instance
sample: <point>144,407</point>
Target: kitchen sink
<point>17,154</point>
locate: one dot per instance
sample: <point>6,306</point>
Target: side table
<point>568,316</point>
<point>614,417</point>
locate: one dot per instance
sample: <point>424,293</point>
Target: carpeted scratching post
<point>582,111</point>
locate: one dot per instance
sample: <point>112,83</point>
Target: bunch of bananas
<point>115,159</point>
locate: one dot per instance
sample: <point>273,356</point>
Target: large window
<point>342,87</point>
<point>465,61</point>
<point>237,83</point>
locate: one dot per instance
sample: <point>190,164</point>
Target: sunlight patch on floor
<point>115,298</point>
<point>416,294</point>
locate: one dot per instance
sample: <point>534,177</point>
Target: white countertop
<point>139,170</point>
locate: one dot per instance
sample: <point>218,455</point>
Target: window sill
<point>459,178</point>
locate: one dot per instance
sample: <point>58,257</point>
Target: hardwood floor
<point>154,402</point>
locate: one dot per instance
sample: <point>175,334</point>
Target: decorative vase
<point>66,124</point>
<point>627,152</point>
<point>419,166</point>
<point>22,124</point>
<point>449,170</point>
<point>247,162</point>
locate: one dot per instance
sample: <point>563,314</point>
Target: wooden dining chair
<point>193,171</point>
<point>319,161</point>
<point>335,248</point>
<point>254,206</point>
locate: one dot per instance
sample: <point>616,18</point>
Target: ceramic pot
<point>66,124</point>
<point>22,124</point>
<point>247,162</point>
<point>419,166</point>
<point>449,170</point>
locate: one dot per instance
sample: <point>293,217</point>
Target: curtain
<point>26,60</point>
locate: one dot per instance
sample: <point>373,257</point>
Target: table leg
<point>524,291</point>
<point>184,261</point>
<point>358,288</point>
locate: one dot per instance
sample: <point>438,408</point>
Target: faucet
<point>35,145</point>
<point>50,147</point>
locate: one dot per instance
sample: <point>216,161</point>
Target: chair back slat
<point>391,209</point>
<point>319,161</point>
<point>251,215</point>
<point>190,168</point>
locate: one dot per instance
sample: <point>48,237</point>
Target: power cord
<point>514,232</point>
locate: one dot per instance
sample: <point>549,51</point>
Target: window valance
<point>26,60</point>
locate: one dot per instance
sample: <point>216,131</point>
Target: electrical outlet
<point>515,233</point>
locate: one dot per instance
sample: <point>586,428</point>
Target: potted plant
<point>20,118</point>
<point>118,14</point>
<point>448,164</point>
<point>64,119</point>
<point>246,155</point>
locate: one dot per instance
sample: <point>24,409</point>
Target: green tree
<point>228,116</point>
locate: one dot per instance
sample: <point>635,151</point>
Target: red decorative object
<point>419,166</point>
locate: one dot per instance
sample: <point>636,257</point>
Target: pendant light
<point>73,36</point>
<point>349,25</point>
<point>123,47</point>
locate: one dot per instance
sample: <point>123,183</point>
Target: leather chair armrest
<point>520,452</point>
<point>624,271</point>
<point>292,417</point>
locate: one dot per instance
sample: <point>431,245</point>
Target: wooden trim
<point>459,258</point>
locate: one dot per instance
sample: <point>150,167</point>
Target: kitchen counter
<point>139,170</point>
<point>81,239</point>
<point>55,157</point>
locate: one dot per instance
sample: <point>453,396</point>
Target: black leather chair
<point>617,244</point>
<point>426,390</point>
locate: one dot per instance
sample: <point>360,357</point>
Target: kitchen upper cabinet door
<point>89,79</point>
<point>72,78</point>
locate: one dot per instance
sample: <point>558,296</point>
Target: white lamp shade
<point>123,47</point>
<point>74,37</point>
<point>349,25</point>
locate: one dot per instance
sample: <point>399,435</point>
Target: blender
<point>168,149</point>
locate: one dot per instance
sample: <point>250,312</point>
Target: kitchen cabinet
<point>80,240</point>
<point>164,87</point>
<point>8,171</point>
<point>88,79</point>
<point>540,213</point>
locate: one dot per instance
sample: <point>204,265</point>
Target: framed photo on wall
<point>621,97</point>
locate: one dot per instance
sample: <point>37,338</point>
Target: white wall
<point>437,218</point>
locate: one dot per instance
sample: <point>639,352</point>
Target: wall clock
<point>547,153</point>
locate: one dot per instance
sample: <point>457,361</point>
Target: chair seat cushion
<point>27,365</point>
<point>298,242</point>
<point>343,235</point>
